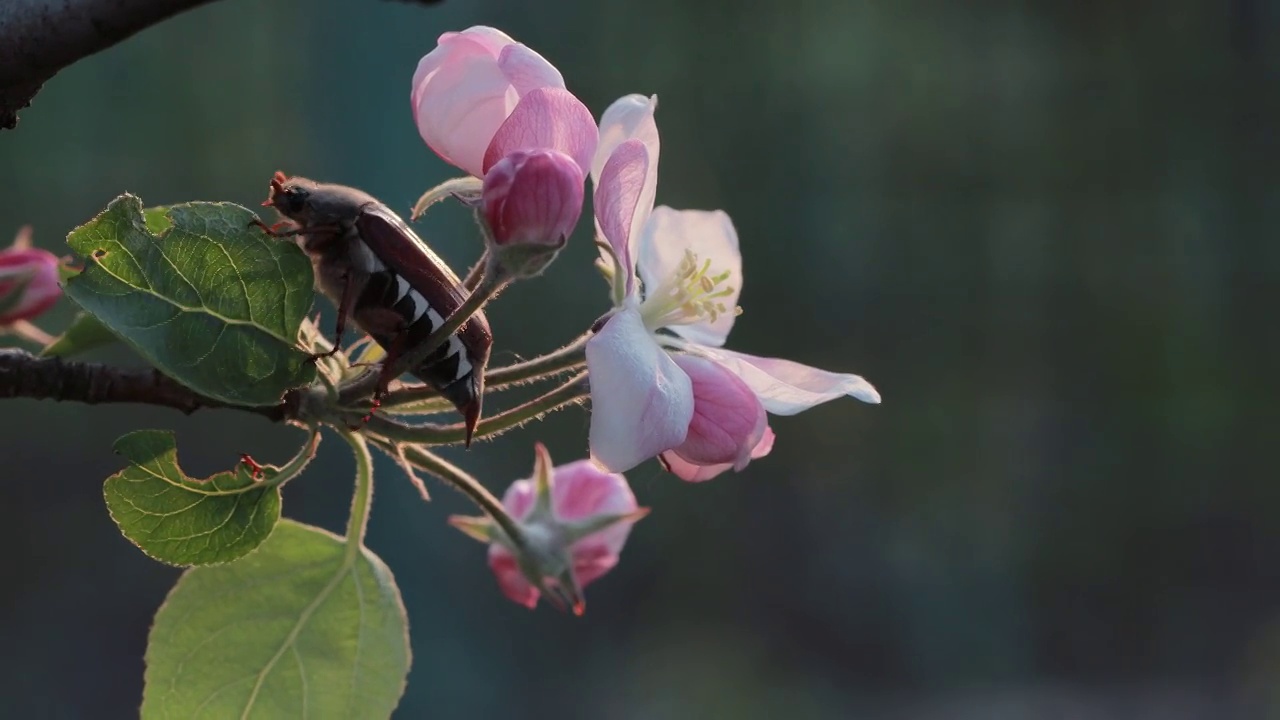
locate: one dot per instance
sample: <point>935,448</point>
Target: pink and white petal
<point>36,271</point>
<point>511,581</point>
<point>692,472</point>
<point>641,401</point>
<point>489,38</point>
<point>628,118</point>
<point>787,387</point>
<point>710,235</point>
<point>460,108</point>
<point>546,118</point>
<point>592,558</point>
<point>581,490</point>
<point>765,446</point>
<point>450,48</point>
<point>527,71</point>
<point>728,419</point>
<point>618,202</point>
<point>518,500</point>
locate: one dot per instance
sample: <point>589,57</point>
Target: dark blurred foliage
<point>1047,233</point>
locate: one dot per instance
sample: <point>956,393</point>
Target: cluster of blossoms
<point>662,384</point>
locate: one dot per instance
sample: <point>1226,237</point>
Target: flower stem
<point>294,467</point>
<point>566,359</point>
<point>490,285</point>
<point>363,496</point>
<point>567,394</point>
<point>557,361</point>
<point>476,272</point>
<point>458,479</point>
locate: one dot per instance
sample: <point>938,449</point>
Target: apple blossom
<point>574,519</point>
<point>648,396</point>
<point>480,96</point>
<point>28,280</point>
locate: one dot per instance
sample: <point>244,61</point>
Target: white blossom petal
<point>629,118</point>
<point>786,387</point>
<point>641,401</point>
<point>708,234</point>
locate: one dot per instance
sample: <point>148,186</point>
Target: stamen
<point>691,294</point>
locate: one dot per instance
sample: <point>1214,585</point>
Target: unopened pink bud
<point>575,518</point>
<point>28,280</point>
<point>533,198</point>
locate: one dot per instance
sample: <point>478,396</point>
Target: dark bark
<point>40,37</point>
<point>25,375</point>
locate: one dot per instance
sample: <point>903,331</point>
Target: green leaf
<point>157,219</point>
<point>210,301</point>
<point>184,521</point>
<point>306,627</point>
<point>85,333</point>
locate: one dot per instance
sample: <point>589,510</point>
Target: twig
<point>25,375</point>
<point>40,37</point>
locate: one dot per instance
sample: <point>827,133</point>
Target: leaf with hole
<point>306,627</point>
<point>210,301</point>
<point>184,521</point>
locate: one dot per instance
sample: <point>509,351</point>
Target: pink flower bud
<point>533,198</point>
<point>28,280</point>
<point>480,95</point>
<point>575,519</point>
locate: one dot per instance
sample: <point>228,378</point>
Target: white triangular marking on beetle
<point>402,288</point>
<point>457,348</point>
<point>434,317</point>
<point>420,305</point>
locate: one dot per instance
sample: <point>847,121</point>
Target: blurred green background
<point>1047,233</point>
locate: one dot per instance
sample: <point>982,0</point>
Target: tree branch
<point>40,37</point>
<point>25,375</point>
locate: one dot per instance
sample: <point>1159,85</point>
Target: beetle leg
<point>276,232</point>
<point>346,304</point>
<point>394,351</point>
<point>255,470</point>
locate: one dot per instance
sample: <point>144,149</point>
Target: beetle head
<point>312,204</point>
<point>289,195</point>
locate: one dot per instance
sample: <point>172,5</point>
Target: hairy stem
<point>363,497</point>
<point>362,386</point>
<point>566,359</point>
<point>490,285</point>
<point>570,393</point>
<point>294,467</point>
<point>458,479</point>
